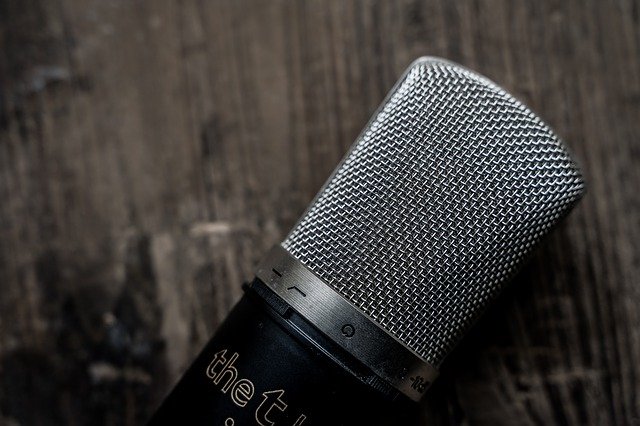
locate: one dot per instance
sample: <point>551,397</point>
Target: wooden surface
<point>152,150</point>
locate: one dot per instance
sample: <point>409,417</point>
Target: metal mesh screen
<point>438,202</point>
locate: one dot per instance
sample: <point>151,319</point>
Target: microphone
<point>436,206</point>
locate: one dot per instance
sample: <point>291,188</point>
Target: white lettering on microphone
<point>271,401</point>
<point>223,373</point>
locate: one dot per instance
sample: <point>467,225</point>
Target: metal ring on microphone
<point>345,324</point>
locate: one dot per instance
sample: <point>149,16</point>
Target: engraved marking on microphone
<point>348,330</point>
<point>223,373</point>
<point>419,383</point>
<point>298,290</point>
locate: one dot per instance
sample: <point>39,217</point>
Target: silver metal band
<point>345,324</point>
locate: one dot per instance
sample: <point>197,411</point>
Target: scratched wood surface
<point>152,150</point>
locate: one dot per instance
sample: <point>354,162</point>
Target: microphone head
<point>436,206</point>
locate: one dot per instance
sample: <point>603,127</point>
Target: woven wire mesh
<point>436,206</point>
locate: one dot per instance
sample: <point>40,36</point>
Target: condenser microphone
<point>433,210</point>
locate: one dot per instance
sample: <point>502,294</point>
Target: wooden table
<point>151,151</point>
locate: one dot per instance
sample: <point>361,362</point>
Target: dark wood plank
<point>151,151</point>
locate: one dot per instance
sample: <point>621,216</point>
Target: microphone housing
<point>267,366</point>
<point>439,202</point>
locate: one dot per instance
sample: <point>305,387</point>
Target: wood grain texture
<point>152,150</point>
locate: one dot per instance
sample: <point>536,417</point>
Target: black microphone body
<point>267,366</point>
<point>437,205</point>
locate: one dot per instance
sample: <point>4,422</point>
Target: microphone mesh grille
<point>436,205</point>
